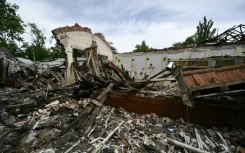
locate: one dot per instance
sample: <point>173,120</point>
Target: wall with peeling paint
<point>149,63</point>
<point>80,41</point>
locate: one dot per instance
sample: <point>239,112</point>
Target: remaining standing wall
<point>143,64</point>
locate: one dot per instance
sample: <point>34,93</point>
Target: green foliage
<point>35,51</point>
<point>177,44</point>
<point>11,26</point>
<point>188,42</point>
<point>11,29</point>
<point>203,34</point>
<point>142,48</point>
<point>38,38</point>
<point>56,52</point>
<point>204,31</point>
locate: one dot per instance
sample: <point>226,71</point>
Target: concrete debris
<point>62,108</point>
<point>173,91</point>
<point>69,125</point>
<point>47,115</point>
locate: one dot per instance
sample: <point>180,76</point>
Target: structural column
<point>70,74</point>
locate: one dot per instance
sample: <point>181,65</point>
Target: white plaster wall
<point>159,59</point>
<point>82,40</point>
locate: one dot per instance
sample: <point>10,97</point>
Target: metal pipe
<point>185,146</point>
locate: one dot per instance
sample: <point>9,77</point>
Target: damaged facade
<point>149,63</point>
<point>80,38</point>
<point>114,103</point>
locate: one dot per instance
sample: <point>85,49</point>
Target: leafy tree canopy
<point>189,41</point>
<point>143,47</point>
<point>205,31</point>
<point>11,29</point>
<point>56,52</point>
<point>36,53</point>
<point>203,34</point>
<point>11,26</point>
<point>36,50</point>
<point>37,35</point>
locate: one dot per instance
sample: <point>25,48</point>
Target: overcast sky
<point>127,22</point>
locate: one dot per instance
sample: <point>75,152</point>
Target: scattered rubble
<point>72,118</point>
<point>52,111</point>
<point>69,125</point>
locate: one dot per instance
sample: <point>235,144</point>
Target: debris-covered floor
<point>53,109</point>
<point>69,125</point>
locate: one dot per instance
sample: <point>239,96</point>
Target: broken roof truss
<point>234,34</point>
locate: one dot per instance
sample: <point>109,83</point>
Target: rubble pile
<point>45,114</point>
<point>69,125</point>
<point>167,91</point>
<point>30,75</point>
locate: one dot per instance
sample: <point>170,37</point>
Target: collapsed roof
<point>225,82</point>
<point>231,35</point>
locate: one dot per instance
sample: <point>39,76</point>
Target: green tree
<point>36,51</point>
<point>205,31</point>
<point>177,44</point>
<point>203,34</point>
<point>37,35</point>
<point>56,52</point>
<point>11,26</point>
<point>141,48</point>
<point>189,41</point>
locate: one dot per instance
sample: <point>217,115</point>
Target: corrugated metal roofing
<point>214,76</point>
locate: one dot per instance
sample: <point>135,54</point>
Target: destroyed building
<point>167,100</point>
